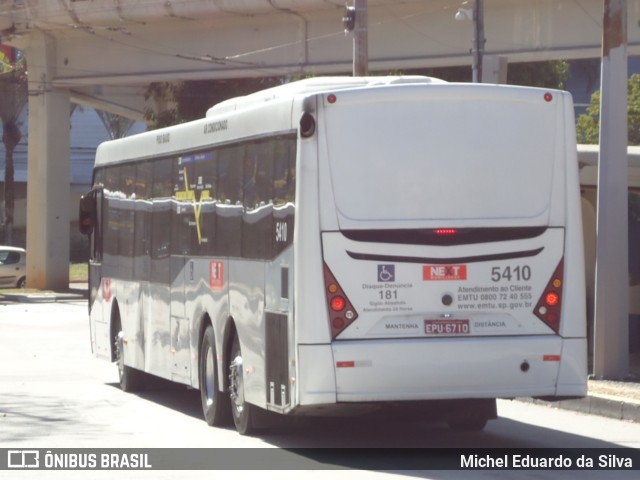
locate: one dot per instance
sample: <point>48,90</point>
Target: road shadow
<point>380,430</point>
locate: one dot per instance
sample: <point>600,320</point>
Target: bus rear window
<point>442,160</point>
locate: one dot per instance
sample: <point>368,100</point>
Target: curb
<point>41,297</point>
<point>604,406</point>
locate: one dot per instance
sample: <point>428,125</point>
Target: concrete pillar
<point>48,182</point>
<point>611,342</point>
<point>494,69</point>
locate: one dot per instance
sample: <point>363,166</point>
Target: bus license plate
<point>447,327</point>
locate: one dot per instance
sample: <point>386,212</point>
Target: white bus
<point>339,244</point>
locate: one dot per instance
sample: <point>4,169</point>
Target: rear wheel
<point>242,411</point>
<point>215,404</point>
<point>131,380</point>
<point>22,283</point>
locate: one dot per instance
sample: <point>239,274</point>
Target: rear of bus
<point>451,238</point>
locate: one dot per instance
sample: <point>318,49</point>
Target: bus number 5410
<point>281,232</point>
<point>519,273</point>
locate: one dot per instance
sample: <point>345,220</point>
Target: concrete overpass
<point>104,53</point>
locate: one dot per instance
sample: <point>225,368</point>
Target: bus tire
<point>131,380</point>
<point>242,411</point>
<point>215,404</point>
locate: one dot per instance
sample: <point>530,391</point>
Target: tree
<point>117,126</point>
<point>13,98</point>
<point>183,101</point>
<point>551,74</point>
<point>588,126</point>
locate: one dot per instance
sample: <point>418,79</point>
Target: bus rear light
<point>338,303</point>
<point>346,364</point>
<point>552,299</point>
<point>549,305</point>
<point>341,311</point>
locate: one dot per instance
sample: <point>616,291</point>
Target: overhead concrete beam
<point>127,102</point>
<point>100,45</point>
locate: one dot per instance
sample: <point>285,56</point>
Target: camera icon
<point>23,459</point>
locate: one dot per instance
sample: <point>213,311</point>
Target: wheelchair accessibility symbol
<point>386,273</point>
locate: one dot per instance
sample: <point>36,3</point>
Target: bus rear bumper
<point>446,368</point>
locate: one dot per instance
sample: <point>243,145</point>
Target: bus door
<point>180,344</point>
<point>91,224</point>
<point>157,326</point>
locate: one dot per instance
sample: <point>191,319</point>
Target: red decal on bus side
<point>444,272</point>
<point>346,364</point>
<point>106,289</point>
<point>216,275</point>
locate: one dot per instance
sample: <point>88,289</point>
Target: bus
<point>337,245</point>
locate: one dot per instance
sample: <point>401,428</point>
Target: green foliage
<point>180,102</point>
<point>588,125</point>
<point>552,74</point>
<point>184,101</point>
<point>13,98</point>
<point>13,89</point>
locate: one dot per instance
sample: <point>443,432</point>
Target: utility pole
<point>474,10</point>
<point>611,347</point>
<point>356,20</point>
<point>478,39</point>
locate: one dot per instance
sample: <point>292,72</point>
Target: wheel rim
<point>119,355</point>
<point>209,378</point>
<point>236,385</point>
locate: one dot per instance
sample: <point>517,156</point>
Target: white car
<point>13,267</point>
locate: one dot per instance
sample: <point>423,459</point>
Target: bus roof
<point>316,85</point>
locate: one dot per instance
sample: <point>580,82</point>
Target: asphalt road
<point>54,394</point>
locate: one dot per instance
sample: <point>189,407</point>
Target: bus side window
<point>284,186</point>
<point>127,206</point>
<point>258,200</point>
<point>229,206</point>
<point>142,209</point>
<point>162,190</point>
<point>284,183</point>
<point>207,172</point>
<point>112,211</point>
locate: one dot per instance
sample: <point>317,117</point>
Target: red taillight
<point>338,303</point>
<point>552,299</point>
<point>341,311</point>
<point>549,306</point>
<point>548,97</point>
<point>446,231</point>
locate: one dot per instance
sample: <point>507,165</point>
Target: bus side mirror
<point>87,214</point>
